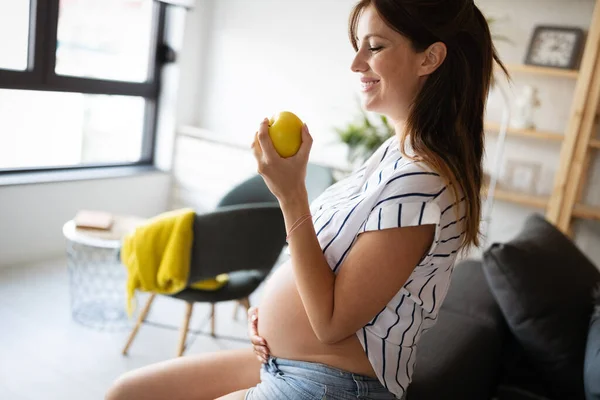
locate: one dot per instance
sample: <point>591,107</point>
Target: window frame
<point>40,75</point>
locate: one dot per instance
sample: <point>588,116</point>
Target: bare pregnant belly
<point>283,322</point>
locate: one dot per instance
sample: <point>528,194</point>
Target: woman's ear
<point>432,58</point>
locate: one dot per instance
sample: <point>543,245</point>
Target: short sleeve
<point>403,214</point>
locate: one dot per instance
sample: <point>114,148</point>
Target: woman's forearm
<point>314,278</point>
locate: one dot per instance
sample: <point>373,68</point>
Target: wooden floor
<point>45,355</point>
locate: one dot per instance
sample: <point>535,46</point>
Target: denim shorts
<point>300,380</point>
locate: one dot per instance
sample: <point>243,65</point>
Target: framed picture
<point>521,176</point>
<point>555,46</point>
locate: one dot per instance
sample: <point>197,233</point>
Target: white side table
<point>97,278</point>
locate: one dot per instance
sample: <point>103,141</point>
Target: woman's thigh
<point>201,377</point>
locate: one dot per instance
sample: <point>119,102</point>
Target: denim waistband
<point>324,374</point>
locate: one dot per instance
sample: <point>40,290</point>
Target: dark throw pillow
<point>459,357</point>
<point>543,284</point>
<point>591,372</point>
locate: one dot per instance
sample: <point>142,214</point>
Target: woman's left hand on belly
<point>285,177</point>
<point>259,344</point>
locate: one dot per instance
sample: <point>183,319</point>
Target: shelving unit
<point>519,198</point>
<point>493,127</point>
<point>577,143</point>
<point>532,69</point>
<point>587,212</point>
<point>576,152</point>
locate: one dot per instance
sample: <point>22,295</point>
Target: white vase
<point>525,106</point>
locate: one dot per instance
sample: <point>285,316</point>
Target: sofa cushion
<point>592,355</point>
<point>459,357</point>
<point>519,379</point>
<point>543,285</point>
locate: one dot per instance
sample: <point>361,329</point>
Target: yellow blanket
<point>157,256</point>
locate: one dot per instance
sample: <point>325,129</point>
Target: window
<point>14,24</point>
<point>79,82</point>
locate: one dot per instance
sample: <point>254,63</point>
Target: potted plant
<point>364,136</point>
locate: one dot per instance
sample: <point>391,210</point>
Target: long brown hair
<point>445,122</point>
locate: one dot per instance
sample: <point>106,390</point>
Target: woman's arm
<point>373,272</point>
<point>375,269</point>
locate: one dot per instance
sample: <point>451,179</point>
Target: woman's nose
<point>359,64</point>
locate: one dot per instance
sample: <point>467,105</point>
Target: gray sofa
<point>516,325</point>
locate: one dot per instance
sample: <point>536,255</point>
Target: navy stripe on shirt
<point>440,192</point>
<point>327,223</point>
<point>452,238</point>
<point>396,163</point>
<point>423,287</point>
<point>421,306</point>
<point>397,318</point>
<point>408,361</point>
<point>410,174</point>
<point>384,358</point>
<point>385,152</point>
<point>401,196</point>
<point>337,265</point>
<point>452,223</point>
<point>452,205</point>
<point>445,255</point>
<point>433,295</point>
<point>398,368</point>
<point>422,212</point>
<point>377,316</point>
<point>411,324</point>
<point>402,342</point>
<point>341,227</point>
<point>400,215</point>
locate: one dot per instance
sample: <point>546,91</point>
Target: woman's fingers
<point>256,149</point>
<point>262,351</point>
<point>253,321</point>
<point>307,142</point>
<point>258,341</point>
<point>265,141</point>
<point>261,358</point>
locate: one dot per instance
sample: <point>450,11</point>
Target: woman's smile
<point>368,84</point>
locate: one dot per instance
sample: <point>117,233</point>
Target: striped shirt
<point>390,191</point>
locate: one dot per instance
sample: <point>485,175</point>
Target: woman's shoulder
<point>409,173</point>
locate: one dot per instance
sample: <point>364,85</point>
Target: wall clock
<point>555,46</point>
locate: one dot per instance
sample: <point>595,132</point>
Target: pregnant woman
<point>372,257</point>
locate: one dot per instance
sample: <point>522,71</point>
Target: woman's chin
<point>369,104</point>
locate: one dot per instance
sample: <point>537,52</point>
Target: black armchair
<point>243,241</point>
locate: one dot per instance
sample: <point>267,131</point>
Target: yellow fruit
<point>285,130</point>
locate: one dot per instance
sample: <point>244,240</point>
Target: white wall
<point>271,55</point>
<point>32,216</point>
<point>262,56</point>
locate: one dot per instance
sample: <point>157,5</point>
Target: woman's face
<point>388,67</point>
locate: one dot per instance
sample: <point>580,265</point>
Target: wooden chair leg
<point>245,302</point>
<point>212,319</point>
<point>141,319</point>
<point>184,328</point>
<point>236,309</point>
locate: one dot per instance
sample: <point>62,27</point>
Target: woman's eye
<point>375,49</point>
